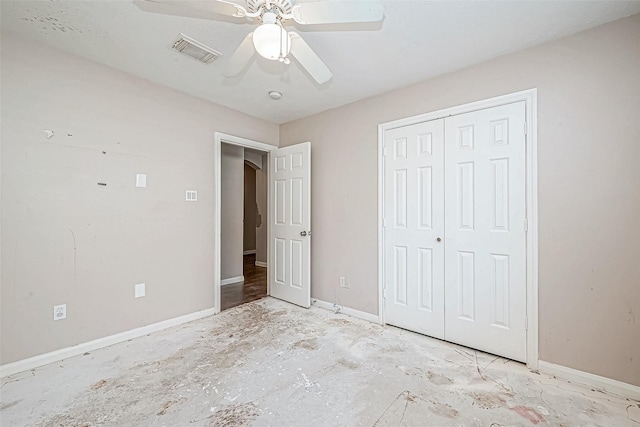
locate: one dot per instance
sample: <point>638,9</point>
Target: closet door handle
<point>439,239</point>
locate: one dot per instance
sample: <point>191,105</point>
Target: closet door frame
<point>530,98</point>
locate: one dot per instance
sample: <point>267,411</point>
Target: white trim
<point>249,252</point>
<point>231,280</point>
<point>243,142</point>
<point>76,350</point>
<point>601,383</point>
<point>219,138</point>
<point>530,98</point>
<point>531,110</point>
<point>261,264</point>
<point>346,310</point>
<point>510,98</point>
<point>267,218</point>
<point>381,242</point>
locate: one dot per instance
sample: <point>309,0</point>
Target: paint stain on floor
<point>234,415</point>
<point>529,414</point>
<point>488,400</point>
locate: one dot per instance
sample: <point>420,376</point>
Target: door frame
<point>220,138</point>
<point>531,171</point>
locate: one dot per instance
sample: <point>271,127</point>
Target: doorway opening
<point>241,220</point>
<point>243,281</point>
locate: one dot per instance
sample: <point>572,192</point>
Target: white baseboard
<point>231,280</point>
<point>591,380</point>
<point>346,310</point>
<point>76,350</point>
<point>261,264</point>
<point>249,252</point>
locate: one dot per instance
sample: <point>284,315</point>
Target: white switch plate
<point>139,290</point>
<point>192,196</point>
<point>141,180</point>
<point>60,312</point>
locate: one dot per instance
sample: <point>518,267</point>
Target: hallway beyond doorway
<point>252,288</point>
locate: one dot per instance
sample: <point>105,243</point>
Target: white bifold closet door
<point>414,221</point>
<point>455,232</point>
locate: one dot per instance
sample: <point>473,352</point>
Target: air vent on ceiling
<point>196,50</point>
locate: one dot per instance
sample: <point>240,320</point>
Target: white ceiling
<point>416,41</point>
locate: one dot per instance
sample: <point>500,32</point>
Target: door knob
<point>439,239</point>
<point>303,233</point>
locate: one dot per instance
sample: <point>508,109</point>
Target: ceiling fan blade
<point>240,57</point>
<point>308,59</point>
<point>192,8</point>
<point>338,12</point>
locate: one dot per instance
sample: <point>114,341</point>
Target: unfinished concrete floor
<point>269,363</point>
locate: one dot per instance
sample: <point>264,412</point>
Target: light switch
<point>139,290</point>
<point>141,180</point>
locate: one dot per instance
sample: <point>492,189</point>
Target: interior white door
<point>290,192</point>
<point>485,245</point>
<point>414,227</point>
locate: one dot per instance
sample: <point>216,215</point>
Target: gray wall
<point>232,202</point>
<point>588,177</point>
<point>250,208</point>
<point>67,240</point>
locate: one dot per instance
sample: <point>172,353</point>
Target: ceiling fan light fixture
<point>270,39</point>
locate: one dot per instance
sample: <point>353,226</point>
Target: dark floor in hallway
<point>254,286</point>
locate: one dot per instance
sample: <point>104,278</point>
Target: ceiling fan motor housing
<point>283,6</point>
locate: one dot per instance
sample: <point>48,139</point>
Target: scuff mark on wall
<point>15,262</point>
<point>50,133</point>
<point>74,252</point>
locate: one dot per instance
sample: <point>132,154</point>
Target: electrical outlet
<point>344,282</point>
<point>60,312</point>
<point>192,196</point>
<point>139,290</point>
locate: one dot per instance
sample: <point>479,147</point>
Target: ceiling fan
<point>270,39</point>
